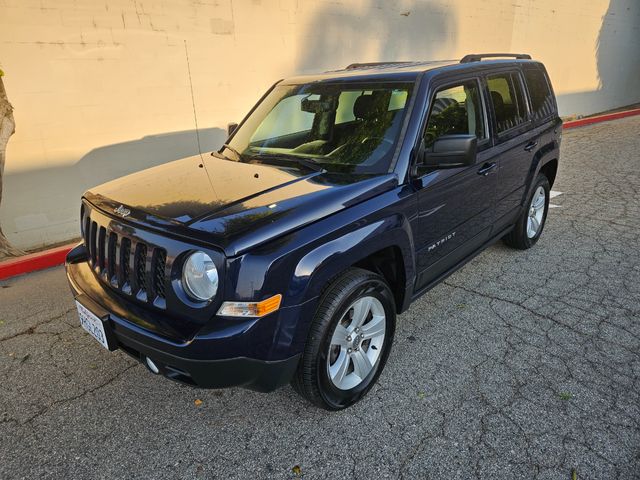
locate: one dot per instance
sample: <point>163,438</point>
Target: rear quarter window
<point>543,104</point>
<point>508,100</point>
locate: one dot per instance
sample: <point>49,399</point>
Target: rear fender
<point>548,151</point>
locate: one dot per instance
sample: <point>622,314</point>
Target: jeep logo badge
<point>122,211</point>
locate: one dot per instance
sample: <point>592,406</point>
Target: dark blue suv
<point>342,197</point>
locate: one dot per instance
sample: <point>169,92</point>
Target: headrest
<point>498,101</point>
<point>368,107</point>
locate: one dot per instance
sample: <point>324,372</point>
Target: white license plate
<point>92,324</point>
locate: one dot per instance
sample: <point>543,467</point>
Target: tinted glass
<point>285,118</point>
<point>456,110</point>
<point>341,127</point>
<point>542,102</point>
<point>507,100</point>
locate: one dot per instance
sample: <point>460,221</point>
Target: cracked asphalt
<point>520,365</point>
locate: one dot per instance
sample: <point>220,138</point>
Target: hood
<point>233,205</point>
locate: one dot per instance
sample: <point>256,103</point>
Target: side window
<point>542,101</point>
<point>507,100</point>
<point>456,110</point>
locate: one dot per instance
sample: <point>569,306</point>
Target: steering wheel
<point>383,139</point>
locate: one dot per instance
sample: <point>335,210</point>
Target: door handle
<point>486,168</point>
<point>530,146</point>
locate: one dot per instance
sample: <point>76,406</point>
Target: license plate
<point>92,324</point>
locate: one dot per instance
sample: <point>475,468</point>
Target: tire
<point>520,237</point>
<point>343,303</point>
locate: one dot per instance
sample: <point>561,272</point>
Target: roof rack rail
<point>373,64</point>
<point>476,57</point>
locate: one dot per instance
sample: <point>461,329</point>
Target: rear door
<point>514,142</point>
<point>455,205</point>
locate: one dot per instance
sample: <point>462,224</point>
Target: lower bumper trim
<point>258,375</point>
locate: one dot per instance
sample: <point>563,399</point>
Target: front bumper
<point>258,354</point>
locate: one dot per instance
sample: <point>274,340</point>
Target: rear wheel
<point>349,340</point>
<point>530,224</point>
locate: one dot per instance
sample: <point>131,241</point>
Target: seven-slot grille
<point>126,263</point>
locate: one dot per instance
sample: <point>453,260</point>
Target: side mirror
<point>231,127</point>
<point>451,151</point>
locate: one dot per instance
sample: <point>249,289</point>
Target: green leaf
<point>565,396</point>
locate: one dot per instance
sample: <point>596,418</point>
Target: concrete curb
<point>34,261</point>
<point>600,118</point>
<point>55,256</point>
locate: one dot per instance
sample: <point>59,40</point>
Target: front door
<point>455,205</point>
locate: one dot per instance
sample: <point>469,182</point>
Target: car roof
<point>400,71</point>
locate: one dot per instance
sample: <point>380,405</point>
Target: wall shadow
<point>377,31</point>
<point>26,193</point>
<point>618,58</point>
<point>113,161</point>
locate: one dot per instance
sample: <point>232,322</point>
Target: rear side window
<point>456,110</point>
<point>508,101</point>
<point>542,102</point>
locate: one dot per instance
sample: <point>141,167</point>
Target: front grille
<point>159,274</point>
<point>101,253</point>
<point>112,272</point>
<point>125,256</point>
<point>140,264</point>
<point>124,262</point>
<point>92,242</point>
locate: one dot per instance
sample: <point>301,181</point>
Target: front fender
<point>320,265</point>
<point>299,265</point>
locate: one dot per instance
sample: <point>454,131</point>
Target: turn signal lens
<point>250,309</point>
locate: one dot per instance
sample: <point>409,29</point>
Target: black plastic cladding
<point>141,265</point>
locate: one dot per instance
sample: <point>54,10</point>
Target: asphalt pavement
<point>520,365</point>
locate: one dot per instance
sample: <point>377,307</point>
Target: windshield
<point>340,127</point>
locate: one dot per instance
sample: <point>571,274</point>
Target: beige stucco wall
<point>101,88</point>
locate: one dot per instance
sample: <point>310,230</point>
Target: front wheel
<point>530,224</point>
<point>349,340</point>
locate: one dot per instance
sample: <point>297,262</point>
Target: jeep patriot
<point>286,255</point>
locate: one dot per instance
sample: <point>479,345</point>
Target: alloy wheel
<point>356,343</point>
<point>536,212</point>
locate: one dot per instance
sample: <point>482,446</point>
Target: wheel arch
<point>550,170</point>
<point>384,247</point>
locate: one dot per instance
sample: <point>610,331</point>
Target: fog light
<point>151,365</point>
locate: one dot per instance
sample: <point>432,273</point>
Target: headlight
<point>200,276</point>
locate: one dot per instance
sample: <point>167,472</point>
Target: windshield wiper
<point>229,147</point>
<point>307,162</point>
